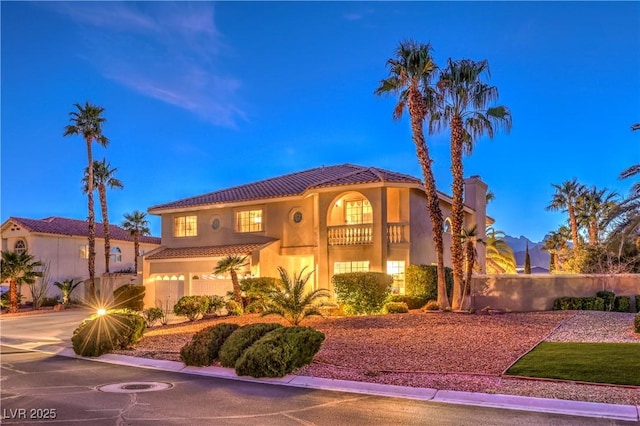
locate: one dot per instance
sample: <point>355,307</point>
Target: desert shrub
<point>152,315</point>
<point>192,307</point>
<point>431,305</point>
<point>205,344</point>
<point>129,296</point>
<point>622,304</point>
<point>362,292</point>
<point>413,302</point>
<point>592,304</point>
<point>233,308</point>
<point>241,339</point>
<point>396,308</point>
<point>256,291</point>
<point>49,301</point>
<point>117,329</point>
<point>215,304</point>
<point>279,352</point>
<point>567,303</point>
<point>636,323</point>
<point>422,281</point>
<point>608,297</point>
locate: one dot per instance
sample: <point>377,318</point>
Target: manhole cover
<point>134,387</point>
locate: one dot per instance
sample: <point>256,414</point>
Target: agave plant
<point>289,299</point>
<point>66,287</point>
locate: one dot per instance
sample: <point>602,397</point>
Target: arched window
<point>447,226</point>
<point>20,246</point>
<point>116,255</point>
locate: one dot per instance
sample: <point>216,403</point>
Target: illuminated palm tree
<point>87,122</point>
<point>500,258</point>
<point>103,177</point>
<point>556,244</point>
<point>565,199</point>
<point>411,72</point>
<point>232,264</point>
<point>137,225</point>
<point>463,103</point>
<point>18,268</point>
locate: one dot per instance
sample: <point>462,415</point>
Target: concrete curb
<point>510,402</point>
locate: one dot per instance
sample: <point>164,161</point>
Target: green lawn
<point>613,363</point>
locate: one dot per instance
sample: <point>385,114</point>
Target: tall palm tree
<point>290,301</point>
<point>593,210</point>
<point>500,258</point>
<point>232,264</point>
<point>411,72</point>
<point>87,122</point>
<point>18,268</point>
<point>463,103</point>
<point>565,199</point>
<point>137,225</point>
<point>103,177</point>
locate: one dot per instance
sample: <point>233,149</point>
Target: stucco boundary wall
<point>536,292</point>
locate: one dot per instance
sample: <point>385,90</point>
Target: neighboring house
<point>331,220</point>
<point>63,244</point>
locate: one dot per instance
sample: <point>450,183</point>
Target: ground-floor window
<point>355,266</point>
<point>395,268</point>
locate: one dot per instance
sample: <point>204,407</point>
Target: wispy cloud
<point>165,50</point>
<point>352,16</point>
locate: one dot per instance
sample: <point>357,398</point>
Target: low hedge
<point>636,322</point>
<point>608,297</point>
<point>362,292</point>
<point>117,329</point>
<point>395,308</point>
<point>622,304</point>
<point>280,352</point>
<point>241,339</point>
<point>205,344</point>
<point>413,302</point>
<point>579,304</point>
<point>129,296</point>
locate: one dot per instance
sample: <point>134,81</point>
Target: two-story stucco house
<point>330,219</point>
<point>62,243</point>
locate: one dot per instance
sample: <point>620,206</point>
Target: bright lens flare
<point>102,311</point>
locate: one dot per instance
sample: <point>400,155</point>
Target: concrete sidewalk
<point>555,406</point>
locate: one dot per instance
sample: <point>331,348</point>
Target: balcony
<point>346,235</point>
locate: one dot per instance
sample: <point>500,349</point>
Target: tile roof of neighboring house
<point>210,251</point>
<point>74,227</point>
<point>294,184</point>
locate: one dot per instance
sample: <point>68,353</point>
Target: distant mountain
<point>539,257</point>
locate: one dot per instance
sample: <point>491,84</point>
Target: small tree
<point>18,268</point>
<point>66,288</point>
<point>290,301</point>
<point>232,264</point>
<point>527,260</point>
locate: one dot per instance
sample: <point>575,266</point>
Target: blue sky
<point>202,96</point>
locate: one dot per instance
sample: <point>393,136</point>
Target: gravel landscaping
<point>455,351</point>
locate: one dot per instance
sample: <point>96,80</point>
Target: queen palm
<point>103,177</point>
<point>565,199</point>
<point>411,72</point>
<point>87,122</point>
<point>463,103</point>
<point>232,264</point>
<point>137,225</point>
<point>18,268</point>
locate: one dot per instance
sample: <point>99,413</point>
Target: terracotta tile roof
<point>294,184</point>
<point>210,251</point>
<point>74,227</point>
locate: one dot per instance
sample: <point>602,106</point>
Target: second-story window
<point>357,212</point>
<point>185,226</point>
<point>249,221</point>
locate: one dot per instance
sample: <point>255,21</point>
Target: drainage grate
<point>134,387</point>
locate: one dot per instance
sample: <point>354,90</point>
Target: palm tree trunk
<point>417,113</point>
<point>92,226</point>
<point>574,224</point>
<point>593,233</point>
<point>136,249</point>
<point>237,294</point>
<point>471,260</point>
<point>13,297</point>
<point>102,190</point>
<point>457,212</point>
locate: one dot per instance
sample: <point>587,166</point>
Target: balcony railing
<point>344,235</point>
<point>350,235</point>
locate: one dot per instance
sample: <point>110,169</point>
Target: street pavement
<point>50,334</point>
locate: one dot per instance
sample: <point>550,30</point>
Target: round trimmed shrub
<point>413,302</point>
<point>608,297</point>
<point>241,339</point>
<point>622,304</point>
<point>215,304</point>
<point>205,344</point>
<point>129,296</point>
<point>117,329</point>
<point>152,315</point>
<point>362,292</point>
<point>431,305</point>
<point>280,352</point>
<point>396,308</point>
<point>192,307</point>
